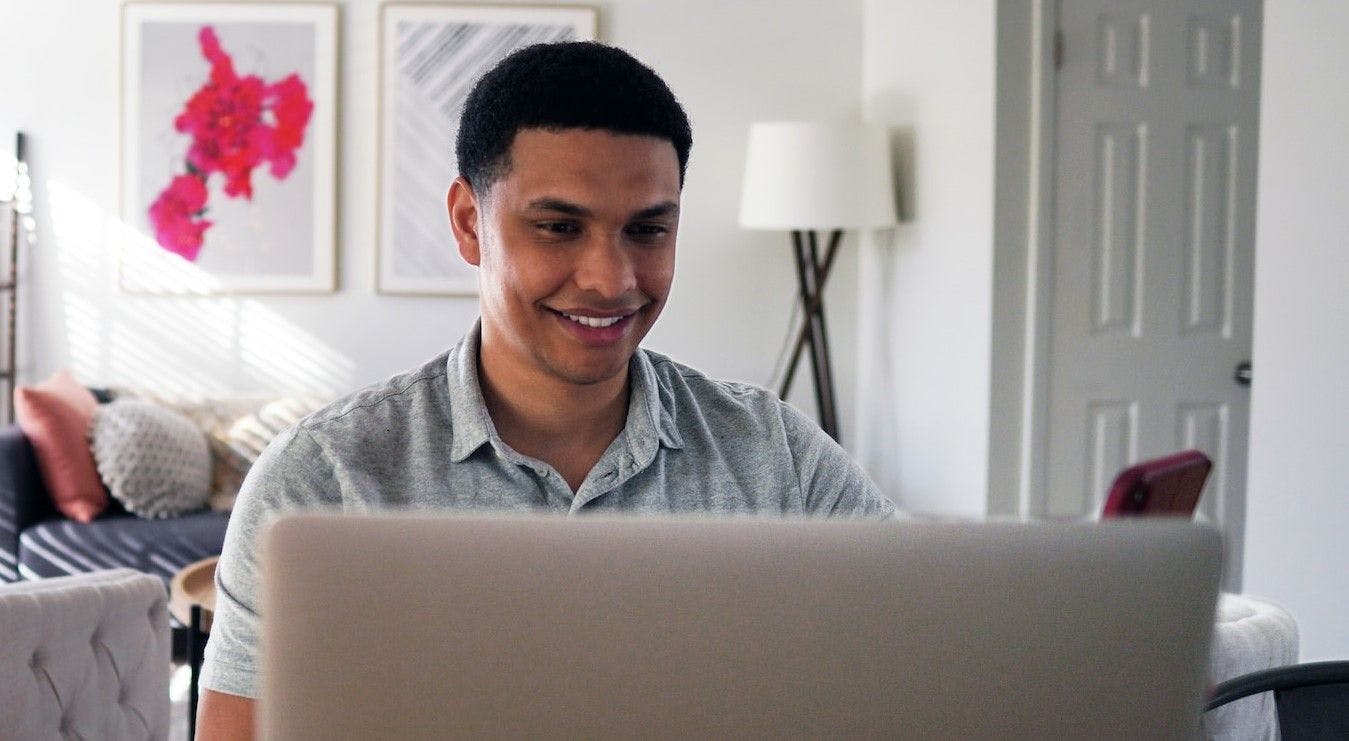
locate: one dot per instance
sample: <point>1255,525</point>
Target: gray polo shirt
<point>423,440</point>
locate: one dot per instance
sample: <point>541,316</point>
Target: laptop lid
<point>434,626</point>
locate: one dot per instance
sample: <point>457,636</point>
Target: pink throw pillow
<point>55,416</point>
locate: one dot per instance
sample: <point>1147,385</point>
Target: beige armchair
<point>86,657</point>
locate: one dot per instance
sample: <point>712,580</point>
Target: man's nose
<point>604,267</point>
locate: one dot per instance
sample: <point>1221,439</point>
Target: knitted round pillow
<point>154,461</point>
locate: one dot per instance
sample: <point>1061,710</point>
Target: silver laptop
<point>409,627</point>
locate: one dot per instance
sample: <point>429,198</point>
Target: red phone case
<point>1163,486</point>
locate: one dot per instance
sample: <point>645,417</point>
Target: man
<point>572,160</point>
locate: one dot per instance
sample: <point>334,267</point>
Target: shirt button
<point>543,473</point>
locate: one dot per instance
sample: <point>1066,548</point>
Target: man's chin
<point>588,377</point>
<point>590,373</point>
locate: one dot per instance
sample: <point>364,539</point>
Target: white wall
<point>731,63</point>
<point>926,290</point>
<point>1297,539</point>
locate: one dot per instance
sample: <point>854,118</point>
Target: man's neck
<point>566,425</point>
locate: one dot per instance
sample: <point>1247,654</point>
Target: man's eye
<point>559,228</point>
<point>648,231</point>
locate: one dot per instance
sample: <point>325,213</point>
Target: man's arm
<point>292,473</point>
<point>225,717</point>
<point>832,484</point>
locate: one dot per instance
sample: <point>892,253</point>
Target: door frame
<point>1023,265</point>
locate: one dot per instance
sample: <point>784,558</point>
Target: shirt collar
<point>651,406</point>
<point>472,427</point>
<point>650,417</point>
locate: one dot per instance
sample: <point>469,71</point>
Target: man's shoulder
<point>410,396</point>
<point>673,376</point>
<point>696,401</point>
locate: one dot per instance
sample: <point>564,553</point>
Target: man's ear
<point>462,205</point>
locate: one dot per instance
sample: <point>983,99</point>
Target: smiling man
<point>576,245</point>
<point>572,160</point>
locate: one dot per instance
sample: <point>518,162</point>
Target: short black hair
<point>569,85</point>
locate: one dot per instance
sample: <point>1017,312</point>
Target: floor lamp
<point>809,179</point>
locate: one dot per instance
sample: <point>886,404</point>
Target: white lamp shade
<point>817,176</point>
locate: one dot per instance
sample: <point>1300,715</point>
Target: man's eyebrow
<point>559,205</point>
<point>668,208</point>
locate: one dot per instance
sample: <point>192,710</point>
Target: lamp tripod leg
<point>803,332</point>
<point>810,274</point>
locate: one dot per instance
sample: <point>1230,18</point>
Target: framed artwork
<point>228,147</point>
<point>430,58</point>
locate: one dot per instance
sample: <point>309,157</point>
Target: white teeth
<point>591,321</point>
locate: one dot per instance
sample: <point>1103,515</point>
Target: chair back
<point>85,656</point>
<point>1312,699</point>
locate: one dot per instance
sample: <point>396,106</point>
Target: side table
<point>192,602</point>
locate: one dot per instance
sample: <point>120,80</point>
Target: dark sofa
<point>37,541</point>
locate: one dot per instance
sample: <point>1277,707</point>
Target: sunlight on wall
<point>84,333</point>
<point>186,343</point>
<point>283,356</point>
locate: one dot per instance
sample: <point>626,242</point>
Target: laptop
<point>427,626</point>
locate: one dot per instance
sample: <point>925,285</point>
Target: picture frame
<point>430,57</point>
<point>228,147</point>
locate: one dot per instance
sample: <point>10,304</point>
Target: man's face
<point>576,250</point>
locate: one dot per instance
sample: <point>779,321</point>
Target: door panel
<point>1211,152</point>
<point>1155,144</point>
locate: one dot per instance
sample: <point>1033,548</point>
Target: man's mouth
<point>597,328</point>
<point>595,321</point>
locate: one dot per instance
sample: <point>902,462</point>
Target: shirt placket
<point>556,494</point>
<point>560,496</point>
<point>614,471</point>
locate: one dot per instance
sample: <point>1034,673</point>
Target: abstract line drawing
<point>431,58</point>
<point>228,148</point>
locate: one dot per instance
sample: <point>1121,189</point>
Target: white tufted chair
<point>85,657</point>
<point>1249,635</point>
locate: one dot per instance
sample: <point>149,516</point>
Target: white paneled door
<point>1157,109</point>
